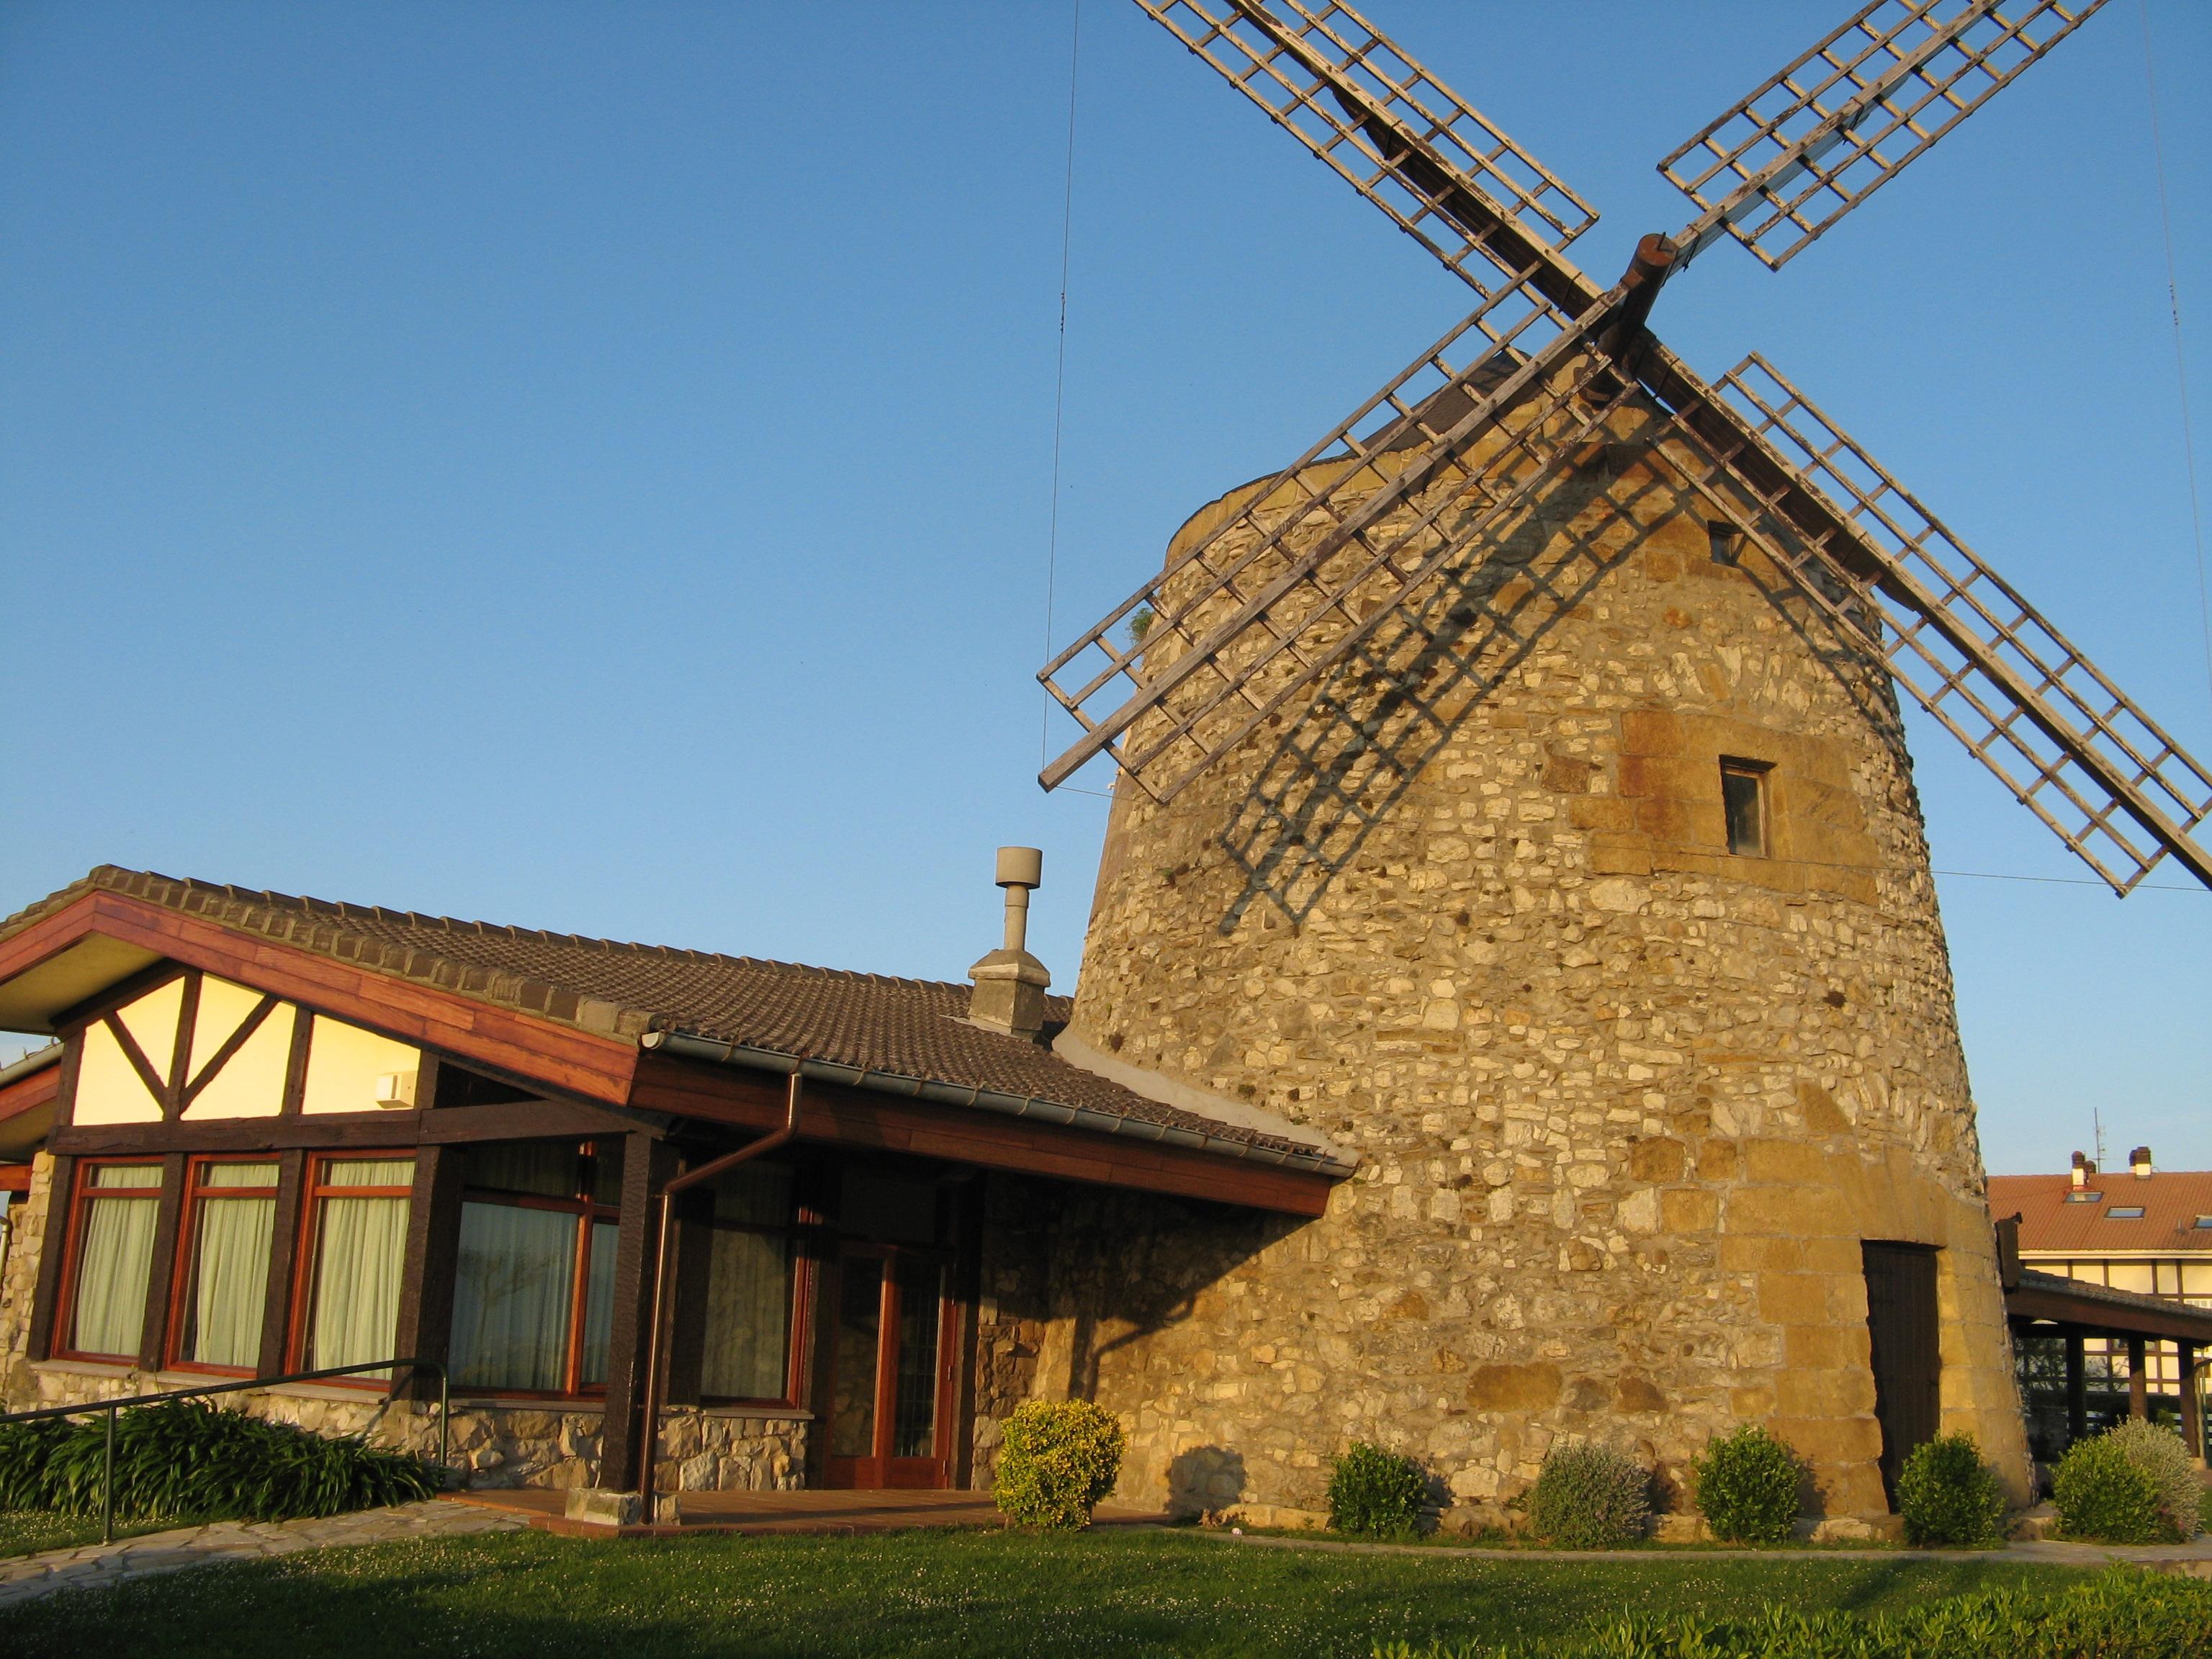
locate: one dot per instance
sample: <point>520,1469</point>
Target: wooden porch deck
<point>768,1512</point>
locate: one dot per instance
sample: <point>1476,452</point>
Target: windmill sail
<point>1442,171</point>
<point>1786,163</point>
<point>1444,457</point>
<point>2066,741</point>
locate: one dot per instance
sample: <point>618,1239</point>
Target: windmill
<point>1247,620</point>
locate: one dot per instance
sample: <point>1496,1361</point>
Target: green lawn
<point>971,1593</point>
<point>25,1532</point>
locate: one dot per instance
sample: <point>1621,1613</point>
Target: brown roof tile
<point>2170,1201</point>
<point>906,1028</point>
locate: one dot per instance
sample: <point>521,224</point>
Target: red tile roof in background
<point>2172,1200</point>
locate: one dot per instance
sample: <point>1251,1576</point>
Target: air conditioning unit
<point>395,1090</point>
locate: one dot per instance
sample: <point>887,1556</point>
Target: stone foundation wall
<point>1625,1103</point>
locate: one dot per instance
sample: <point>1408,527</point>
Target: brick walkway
<point>24,1576</point>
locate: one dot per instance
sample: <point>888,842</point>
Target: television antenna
<point>1255,613</point>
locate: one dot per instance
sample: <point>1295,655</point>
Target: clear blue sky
<point>588,465</point>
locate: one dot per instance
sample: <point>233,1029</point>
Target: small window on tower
<point>1726,541</point>
<point>1743,796</point>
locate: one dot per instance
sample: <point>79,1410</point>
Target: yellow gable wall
<point>344,1064</point>
<point>347,1066</point>
<point>108,1087</point>
<point>251,1081</point>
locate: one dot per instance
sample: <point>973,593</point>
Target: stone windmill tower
<point>1513,788</point>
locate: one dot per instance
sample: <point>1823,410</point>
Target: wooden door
<point>887,1423</point>
<point>1908,1358</point>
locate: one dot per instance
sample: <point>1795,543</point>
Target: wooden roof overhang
<point>68,964</point>
<point>2038,1299</point>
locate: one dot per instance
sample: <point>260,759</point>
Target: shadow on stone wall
<point>1338,768</point>
<point>1205,1478</point>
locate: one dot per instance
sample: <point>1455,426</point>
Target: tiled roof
<point>872,1022</point>
<point>2171,1201</point>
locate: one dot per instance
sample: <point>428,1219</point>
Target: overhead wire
<point>2180,353</point>
<point>1059,380</point>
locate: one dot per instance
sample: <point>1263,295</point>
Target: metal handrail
<point>242,1386</point>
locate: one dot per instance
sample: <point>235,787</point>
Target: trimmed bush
<point>1747,1486</point>
<point>185,1458</point>
<point>1948,1495</point>
<point>1589,1498</point>
<point>1059,1458</point>
<point>2130,1484</point>
<point>1373,1493</point>
<point>2122,1614</point>
<point>2160,1454</point>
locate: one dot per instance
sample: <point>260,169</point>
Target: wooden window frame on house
<point>1759,774</point>
<point>184,1262</point>
<point>803,1235</point>
<point>315,1191</point>
<point>589,1212</point>
<point>82,1196</point>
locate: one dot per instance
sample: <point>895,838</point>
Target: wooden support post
<point>284,1266</point>
<point>2192,1419</point>
<point>648,1165</point>
<point>53,1246</point>
<point>2138,1380</point>
<point>169,1223</point>
<point>426,1277</point>
<point>2077,1393</point>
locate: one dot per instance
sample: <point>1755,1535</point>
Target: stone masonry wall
<point>1626,1104</point>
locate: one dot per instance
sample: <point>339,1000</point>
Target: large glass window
<point>746,1352</point>
<point>117,1205</point>
<point>228,1227</point>
<point>533,1287</point>
<point>357,1220</point>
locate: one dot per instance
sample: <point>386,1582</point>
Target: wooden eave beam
<point>860,1118</point>
<point>555,1056</point>
<point>2092,1316</point>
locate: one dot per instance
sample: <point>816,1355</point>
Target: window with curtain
<point>117,1205</point>
<point>230,1221</point>
<point>745,1352</point>
<point>357,1212</point>
<point>534,1287</point>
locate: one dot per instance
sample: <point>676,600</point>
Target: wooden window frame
<point>187,1256</point>
<point>1761,775</point>
<point>589,1212</point>
<point>307,1244</point>
<point>80,1214</point>
<point>797,1281</point>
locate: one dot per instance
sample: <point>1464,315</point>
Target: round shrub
<point>1059,1458</point>
<point>1589,1498</point>
<point>2131,1485</point>
<point>1373,1493</point>
<point>2103,1495</point>
<point>1747,1486</point>
<point>1948,1495</point>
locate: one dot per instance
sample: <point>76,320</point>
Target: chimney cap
<point>1020,866</point>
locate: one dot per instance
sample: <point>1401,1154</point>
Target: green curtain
<point>599,1303</point>
<point>230,1281</point>
<point>361,1243</point>
<point>748,1316</point>
<point>511,1290</point>
<point>111,1268</point>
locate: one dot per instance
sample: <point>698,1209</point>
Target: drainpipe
<point>656,1367</point>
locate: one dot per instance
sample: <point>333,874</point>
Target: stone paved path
<point>24,1576</point>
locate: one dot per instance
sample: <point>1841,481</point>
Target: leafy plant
<point>1059,1458</point>
<point>1589,1498</point>
<point>1948,1495</point>
<point>2130,1484</point>
<point>1373,1493</point>
<point>185,1458</point>
<point>1746,1485</point>
<point>2121,1614</point>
